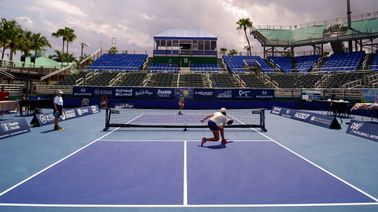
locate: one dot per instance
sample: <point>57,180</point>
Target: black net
<point>131,117</point>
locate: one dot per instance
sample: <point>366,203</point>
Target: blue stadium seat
<point>198,67</point>
<point>236,63</point>
<point>343,62</point>
<point>306,63</point>
<point>283,63</point>
<point>164,67</point>
<point>374,66</point>
<point>118,62</point>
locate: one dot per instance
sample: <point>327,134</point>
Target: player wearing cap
<point>216,124</point>
<point>58,109</point>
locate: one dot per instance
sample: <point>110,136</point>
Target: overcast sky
<point>134,22</point>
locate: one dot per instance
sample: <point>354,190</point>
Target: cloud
<point>25,22</point>
<point>63,7</point>
<point>134,22</point>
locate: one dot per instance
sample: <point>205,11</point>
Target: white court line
<point>316,165</point>
<point>190,206</point>
<point>177,140</point>
<point>185,176</point>
<point>59,161</point>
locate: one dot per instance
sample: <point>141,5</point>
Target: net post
<point>107,119</point>
<point>262,120</point>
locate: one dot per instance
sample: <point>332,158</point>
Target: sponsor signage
<point>82,91</point>
<point>165,93</point>
<point>363,129</point>
<point>123,92</point>
<point>48,118</point>
<point>203,93</point>
<point>243,94</point>
<point>254,94</point>
<point>308,117</point>
<point>13,127</point>
<point>223,94</point>
<point>170,93</point>
<point>144,93</point>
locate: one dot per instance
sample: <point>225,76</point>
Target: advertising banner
<point>48,118</point>
<point>363,129</point>
<point>13,127</point>
<point>308,117</point>
<point>170,93</point>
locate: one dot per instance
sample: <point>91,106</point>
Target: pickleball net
<point>143,118</point>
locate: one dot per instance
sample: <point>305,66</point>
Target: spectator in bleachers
<point>4,95</point>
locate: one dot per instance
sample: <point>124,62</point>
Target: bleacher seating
<point>343,62</point>
<point>374,66</point>
<point>101,79</point>
<point>71,80</point>
<point>236,63</point>
<point>223,81</point>
<point>198,67</point>
<point>164,67</point>
<point>252,81</point>
<point>125,62</point>
<point>306,63</point>
<point>162,80</point>
<point>133,79</point>
<point>283,63</point>
<point>191,80</point>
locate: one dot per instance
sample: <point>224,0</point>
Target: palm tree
<point>245,23</point>
<point>113,50</point>
<point>9,34</point>
<point>232,52</point>
<point>58,34</point>
<point>58,56</point>
<point>25,44</point>
<point>38,42</point>
<point>16,38</point>
<point>62,57</point>
<point>70,37</point>
<point>223,51</point>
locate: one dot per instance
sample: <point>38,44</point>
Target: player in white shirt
<point>58,109</point>
<point>216,124</point>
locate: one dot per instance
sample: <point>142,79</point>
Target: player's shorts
<point>212,125</point>
<point>59,112</point>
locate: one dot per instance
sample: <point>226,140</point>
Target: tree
<point>244,24</point>
<point>232,52</point>
<point>70,36</point>
<point>38,42</point>
<point>25,43</point>
<point>62,57</point>
<point>58,34</point>
<point>10,36</point>
<point>223,51</point>
<point>113,50</point>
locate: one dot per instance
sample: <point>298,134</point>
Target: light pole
<point>82,49</point>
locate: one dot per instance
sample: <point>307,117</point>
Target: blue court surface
<point>292,167</point>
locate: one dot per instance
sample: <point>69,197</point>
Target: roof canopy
<point>185,34</point>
